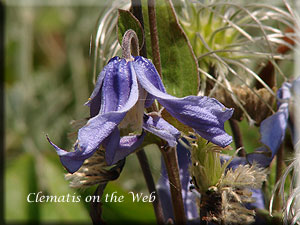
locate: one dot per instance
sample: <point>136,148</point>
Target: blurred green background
<point>48,78</point>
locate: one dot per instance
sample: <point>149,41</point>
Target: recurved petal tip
<point>70,160</point>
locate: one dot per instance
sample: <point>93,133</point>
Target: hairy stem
<point>130,44</point>
<point>151,186</point>
<point>154,36</point>
<point>171,162</point>
<point>237,136</point>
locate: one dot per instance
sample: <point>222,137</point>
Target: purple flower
<point>273,128</point>
<point>123,89</point>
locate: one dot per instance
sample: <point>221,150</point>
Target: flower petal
<point>205,115</point>
<point>127,145</point>
<point>149,71</point>
<point>111,145</point>
<point>161,128</point>
<point>149,100</point>
<point>261,156</point>
<point>116,86</point>
<point>72,161</point>
<point>258,196</point>
<point>155,80</point>
<point>235,162</point>
<point>272,129</point>
<point>101,126</point>
<point>117,148</point>
<point>94,101</point>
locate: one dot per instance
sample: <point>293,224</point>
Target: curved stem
<point>130,44</point>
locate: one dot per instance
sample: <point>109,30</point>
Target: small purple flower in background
<point>123,89</point>
<point>272,132</point>
<point>273,128</point>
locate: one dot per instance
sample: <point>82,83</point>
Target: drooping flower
<point>123,90</point>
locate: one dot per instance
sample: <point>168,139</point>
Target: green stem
<point>2,23</point>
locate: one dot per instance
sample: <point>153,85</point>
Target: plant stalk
<point>142,157</point>
<point>171,162</point>
<point>279,169</point>
<point>2,126</point>
<point>130,45</point>
<point>237,136</point>
<point>154,36</point>
<point>137,11</point>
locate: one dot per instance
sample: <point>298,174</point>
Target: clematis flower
<point>272,132</point>
<point>123,90</point>
<point>273,128</point>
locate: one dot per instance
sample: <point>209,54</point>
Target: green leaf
<point>127,20</point>
<point>179,64</point>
